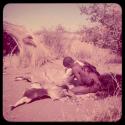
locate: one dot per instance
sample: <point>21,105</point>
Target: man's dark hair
<point>67,61</point>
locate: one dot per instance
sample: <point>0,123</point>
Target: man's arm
<point>77,75</point>
<point>68,76</point>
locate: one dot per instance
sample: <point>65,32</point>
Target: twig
<point>118,88</point>
<point>12,52</point>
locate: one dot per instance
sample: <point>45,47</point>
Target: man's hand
<point>77,75</point>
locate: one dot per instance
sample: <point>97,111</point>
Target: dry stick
<point>113,77</point>
<point>12,52</point>
<point>118,87</point>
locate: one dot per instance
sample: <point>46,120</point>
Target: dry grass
<point>64,44</point>
<point>108,109</point>
<point>52,45</point>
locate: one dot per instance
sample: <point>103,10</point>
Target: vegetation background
<point>39,55</point>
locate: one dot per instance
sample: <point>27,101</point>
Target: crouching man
<point>83,76</point>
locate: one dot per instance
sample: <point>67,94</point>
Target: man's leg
<point>84,90</point>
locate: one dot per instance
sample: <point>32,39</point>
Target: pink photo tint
<point>62,62</point>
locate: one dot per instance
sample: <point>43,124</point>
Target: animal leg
<point>23,100</point>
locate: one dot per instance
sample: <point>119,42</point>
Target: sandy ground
<point>48,110</point>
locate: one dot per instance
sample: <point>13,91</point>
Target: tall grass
<point>69,44</point>
<point>50,45</point>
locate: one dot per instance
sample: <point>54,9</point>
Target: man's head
<point>68,62</point>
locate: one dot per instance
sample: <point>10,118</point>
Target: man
<point>84,74</point>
